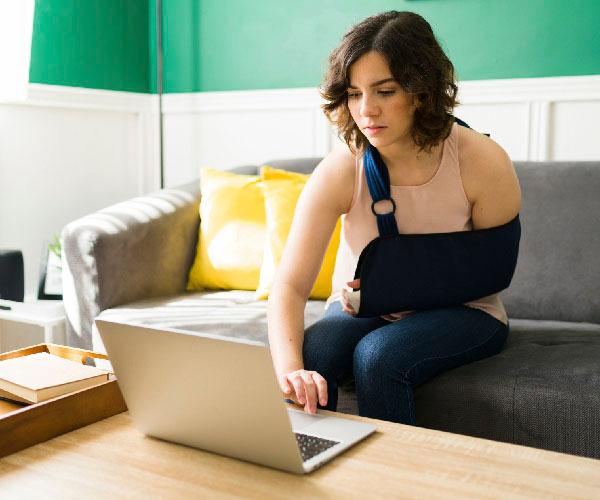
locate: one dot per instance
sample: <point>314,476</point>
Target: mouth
<point>374,129</point>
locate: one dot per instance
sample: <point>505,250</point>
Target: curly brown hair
<point>416,61</point>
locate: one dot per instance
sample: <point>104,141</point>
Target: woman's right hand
<point>305,388</point>
<point>344,297</point>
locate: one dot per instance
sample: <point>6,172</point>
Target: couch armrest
<point>133,250</point>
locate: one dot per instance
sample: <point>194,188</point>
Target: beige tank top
<point>438,206</point>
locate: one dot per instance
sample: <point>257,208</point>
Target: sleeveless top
<point>440,205</point>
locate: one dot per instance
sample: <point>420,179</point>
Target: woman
<point>389,84</point>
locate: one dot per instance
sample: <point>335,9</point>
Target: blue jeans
<point>389,359</point>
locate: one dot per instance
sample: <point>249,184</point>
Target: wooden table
<point>111,459</point>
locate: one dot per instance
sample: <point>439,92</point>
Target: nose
<point>368,107</point>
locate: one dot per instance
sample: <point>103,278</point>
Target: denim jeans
<point>389,359</point>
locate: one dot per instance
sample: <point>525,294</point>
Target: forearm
<point>285,319</point>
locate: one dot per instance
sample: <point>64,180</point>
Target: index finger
<point>310,389</point>
<point>321,387</point>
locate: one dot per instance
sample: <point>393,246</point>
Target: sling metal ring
<point>385,199</point>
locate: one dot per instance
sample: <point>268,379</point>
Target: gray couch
<point>130,262</point>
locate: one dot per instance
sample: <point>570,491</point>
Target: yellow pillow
<point>232,234</point>
<point>282,189</point>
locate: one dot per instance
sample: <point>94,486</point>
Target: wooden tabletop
<point>111,459</point>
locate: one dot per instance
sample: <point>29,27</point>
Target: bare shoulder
<point>489,179</point>
<point>334,176</point>
<point>482,161</point>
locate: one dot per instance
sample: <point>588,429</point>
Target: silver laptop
<point>219,394</point>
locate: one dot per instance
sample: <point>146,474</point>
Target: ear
<point>416,101</point>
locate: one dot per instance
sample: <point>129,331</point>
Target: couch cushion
<point>282,189</point>
<point>527,331</point>
<point>542,390</point>
<point>232,313</point>
<point>232,232</point>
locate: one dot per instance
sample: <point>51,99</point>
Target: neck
<point>405,155</point>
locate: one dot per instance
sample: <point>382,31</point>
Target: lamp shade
<point>16,27</point>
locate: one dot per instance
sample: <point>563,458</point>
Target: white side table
<point>29,323</point>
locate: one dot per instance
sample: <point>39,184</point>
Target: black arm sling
<point>400,272</point>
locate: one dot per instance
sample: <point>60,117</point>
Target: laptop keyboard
<point>311,446</point>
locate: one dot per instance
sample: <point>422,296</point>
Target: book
<point>42,376</point>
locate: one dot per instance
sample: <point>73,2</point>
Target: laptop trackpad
<point>299,419</point>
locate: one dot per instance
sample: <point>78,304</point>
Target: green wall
<point>101,44</point>
<point>264,44</point>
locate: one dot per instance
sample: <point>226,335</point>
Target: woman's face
<point>379,106</point>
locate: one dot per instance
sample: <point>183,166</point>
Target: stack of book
<point>42,376</point>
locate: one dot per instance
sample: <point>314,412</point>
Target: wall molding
<point>83,98</point>
<point>563,88</point>
<point>558,88</point>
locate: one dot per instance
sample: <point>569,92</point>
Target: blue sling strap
<point>378,180</point>
<point>423,271</point>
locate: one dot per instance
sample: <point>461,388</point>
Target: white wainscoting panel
<point>225,139</point>
<point>541,132</point>
<point>531,118</point>
<point>575,122</point>
<point>507,124</point>
<point>225,129</point>
<point>64,153</point>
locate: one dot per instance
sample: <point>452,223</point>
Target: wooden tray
<point>22,426</point>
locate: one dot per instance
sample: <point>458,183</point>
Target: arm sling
<point>400,272</point>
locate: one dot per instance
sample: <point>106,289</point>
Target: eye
<point>381,92</point>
